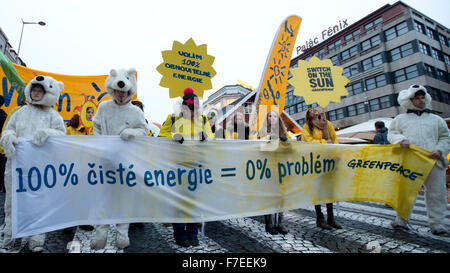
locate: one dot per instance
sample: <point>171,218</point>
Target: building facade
<point>8,51</point>
<point>385,52</point>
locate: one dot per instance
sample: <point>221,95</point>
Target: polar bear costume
<point>429,131</point>
<point>118,117</point>
<point>37,119</point>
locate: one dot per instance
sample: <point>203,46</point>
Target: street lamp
<point>23,24</point>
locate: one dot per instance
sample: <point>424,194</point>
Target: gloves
<point>178,138</point>
<point>8,145</point>
<point>40,137</point>
<point>128,133</point>
<point>203,136</point>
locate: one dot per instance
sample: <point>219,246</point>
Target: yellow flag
<point>272,88</point>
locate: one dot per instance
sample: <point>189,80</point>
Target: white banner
<point>80,180</point>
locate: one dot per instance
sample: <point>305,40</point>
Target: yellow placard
<point>318,81</point>
<point>186,65</point>
<point>272,88</point>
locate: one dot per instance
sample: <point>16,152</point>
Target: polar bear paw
<point>122,241</point>
<point>40,137</point>
<point>99,242</point>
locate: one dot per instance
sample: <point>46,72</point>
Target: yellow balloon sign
<point>318,82</point>
<point>186,65</point>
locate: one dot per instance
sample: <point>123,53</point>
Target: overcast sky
<point>91,37</point>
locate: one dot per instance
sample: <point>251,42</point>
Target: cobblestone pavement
<point>366,228</point>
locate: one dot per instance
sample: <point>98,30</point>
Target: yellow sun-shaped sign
<point>81,111</point>
<point>186,65</point>
<point>318,82</point>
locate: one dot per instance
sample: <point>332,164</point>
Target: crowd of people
<point>418,126</point>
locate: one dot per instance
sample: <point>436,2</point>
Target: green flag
<point>12,75</point>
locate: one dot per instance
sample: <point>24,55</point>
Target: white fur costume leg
<point>436,198</point>
<point>122,239</point>
<point>99,240</point>
<point>7,234</point>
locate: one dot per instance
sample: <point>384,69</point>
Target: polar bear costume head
<point>405,96</point>
<point>122,80</point>
<point>51,87</point>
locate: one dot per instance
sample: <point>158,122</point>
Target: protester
<point>381,135</point>
<point>237,128</point>
<point>39,120</point>
<point>319,130</point>
<point>118,117</point>
<point>216,127</point>
<point>273,128</point>
<point>186,123</point>
<point>418,126</point>
<point>3,117</point>
<point>141,106</point>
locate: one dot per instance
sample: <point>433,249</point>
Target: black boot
<point>320,220</point>
<point>269,226</point>
<point>280,228</point>
<point>330,217</point>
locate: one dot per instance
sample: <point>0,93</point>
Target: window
<point>349,53</point>
<point>372,62</point>
<point>385,102</point>
<point>411,72</point>
<point>419,27</point>
<point>352,35</point>
<point>374,105</point>
<point>301,122</point>
<point>442,75</point>
<point>429,70</point>
<point>334,45</point>
<point>376,82</point>
<point>395,31</point>
<point>401,51</point>
<point>430,33</point>
<point>360,108</point>
<point>445,97</point>
<point>335,59</point>
<point>332,115</point>
<point>354,89</point>
<point>350,70</point>
<point>434,93</point>
<point>340,113</point>
<point>436,54</point>
<point>447,59</point>
<point>405,73</point>
<point>443,39</point>
<point>367,44</point>
<point>351,110</point>
<point>424,48</point>
<point>371,26</point>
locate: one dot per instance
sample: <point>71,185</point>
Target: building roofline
<point>346,31</point>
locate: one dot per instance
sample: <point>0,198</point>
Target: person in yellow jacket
<point>187,123</point>
<point>237,128</point>
<point>319,130</point>
<point>273,128</point>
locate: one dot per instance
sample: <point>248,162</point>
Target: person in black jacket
<point>381,135</point>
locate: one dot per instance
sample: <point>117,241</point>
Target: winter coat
<point>427,130</point>
<point>185,127</point>
<point>381,136</point>
<point>114,119</point>
<point>316,135</point>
